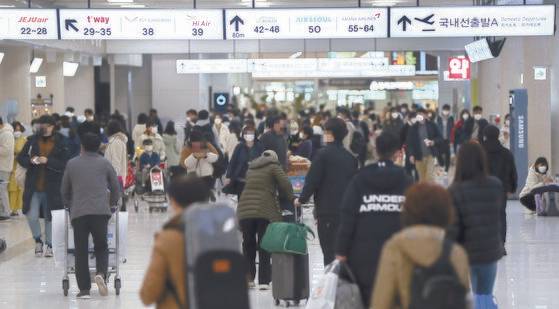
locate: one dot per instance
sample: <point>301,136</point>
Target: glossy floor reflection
<point>527,277</point>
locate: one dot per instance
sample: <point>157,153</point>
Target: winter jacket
<point>413,141</point>
<point>371,206</point>
<point>171,149</point>
<point>304,149</point>
<point>478,219</point>
<point>419,245</point>
<point>90,186</point>
<point>238,165</point>
<point>221,136</point>
<point>462,131</point>
<point>202,167</point>
<point>117,154</point>
<point>277,143</point>
<point>54,171</point>
<point>501,164</point>
<point>330,173</point>
<point>158,145</point>
<point>231,142</point>
<point>166,269</point>
<point>449,126</point>
<point>534,180</point>
<point>265,180</point>
<point>149,159</point>
<point>187,151</point>
<point>137,133</point>
<point>7,142</point>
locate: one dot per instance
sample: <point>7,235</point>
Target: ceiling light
<point>120,1</point>
<point>133,6</point>
<point>7,6</point>
<point>296,55</point>
<point>69,69</point>
<point>35,65</point>
<point>1,57</point>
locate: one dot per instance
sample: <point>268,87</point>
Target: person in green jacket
<point>266,182</point>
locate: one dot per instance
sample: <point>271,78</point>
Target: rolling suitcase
<point>290,276</point>
<point>216,269</point>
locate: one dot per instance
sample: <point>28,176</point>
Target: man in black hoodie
<point>331,170</point>
<point>370,214</point>
<point>502,166</point>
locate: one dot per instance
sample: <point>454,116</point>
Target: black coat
<point>331,170</point>
<point>501,165</point>
<point>242,155</point>
<point>449,126</point>
<point>277,143</point>
<point>54,172</point>
<point>478,219</point>
<point>413,141</point>
<point>370,215</point>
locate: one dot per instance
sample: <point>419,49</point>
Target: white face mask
<point>153,130</point>
<point>465,116</point>
<point>542,169</point>
<point>446,113</point>
<point>477,116</point>
<point>217,121</point>
<point>249,137</point>
<point>301,135</point>
<point>149,148</point>
<point>507,122</point>
<point>17,134</point>
<point>395,115</point>
<point>419,118</point>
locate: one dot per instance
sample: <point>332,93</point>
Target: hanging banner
<point>524,20</point>
<point>28,24</point>
<point>306,23</point>
<point>139,24</point>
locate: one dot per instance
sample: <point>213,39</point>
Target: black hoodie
<point>370,215</point>
<point>500,159</point>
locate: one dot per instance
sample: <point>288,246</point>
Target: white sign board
<point>525,20</point>
<point>479,50</point>
<point>306,23</point>
<point>139,24</point>
<point>194,66</point>
<point>540,73</point>
<point>28,24</point>
<point>40,81</point>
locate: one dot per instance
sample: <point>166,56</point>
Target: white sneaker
<point>263,287</point>
<point>48,252</point>
<point>251,285</point>
<point>101,285</point>
<point>38,249</point>
<point>83,295</point>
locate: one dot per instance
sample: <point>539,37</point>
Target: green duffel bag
<point>283,237</point>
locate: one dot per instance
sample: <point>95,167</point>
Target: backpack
<point>358,142</point>
<point>220,166</point>
<point>438,286</point>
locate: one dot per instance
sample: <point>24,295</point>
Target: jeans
<point>253,231</point>
<point>4,195</point>
<point>96,225</point>
<point>38,204</point>
<point>483,278</point>
<point>327,230</point>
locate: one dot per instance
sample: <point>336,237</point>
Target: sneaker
<point>101,285</point>
<point>263,287</point>
<point>14,214</point>
<point>251,285</point>
<point>38,249</point>
<point>83,295</point>
<point>48,251</point>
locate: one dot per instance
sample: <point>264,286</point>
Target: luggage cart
<point>114,255</point>
<point>154,195</point>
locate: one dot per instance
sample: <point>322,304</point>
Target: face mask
<point>507,122</point>
<point>403,111</point>
<point>430,116</point>
<point>89,118</point>
<point>81,119</point>
<point>328,138</point>
<point>477,116</point>
<point>149,148</point>
<point>153,130</point>
<point>446,113</point>
<point>217,121</point>
<point>465,116</point>
<point>420,118</point>
<point>17,134</point>
<point>542,169</point>
<point>301,135</point>
<point>249,137</point>
<point>395,115</point>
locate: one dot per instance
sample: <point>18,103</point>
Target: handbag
<point>284,237</point>
<point>324,294</point>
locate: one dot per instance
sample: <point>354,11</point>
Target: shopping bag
<point>323,295</point>
<point>284,237</point>
<point>348,295</point>
<point>485,302</point>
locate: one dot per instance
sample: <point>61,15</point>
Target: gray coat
<point>90,186</point>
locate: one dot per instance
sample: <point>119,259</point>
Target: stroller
<point>152,191</point>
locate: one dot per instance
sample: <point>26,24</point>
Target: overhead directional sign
<point>306,23</point>
<point>28,24</point>
<point>138,24</point>
<point>525,20</point>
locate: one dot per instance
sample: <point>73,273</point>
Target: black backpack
<point>358,142</point>
<point>438,286</point>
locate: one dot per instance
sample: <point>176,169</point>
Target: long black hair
<point>170,128</point>
<point>471,163</point>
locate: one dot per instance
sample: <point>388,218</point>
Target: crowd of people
<point>369,213</point>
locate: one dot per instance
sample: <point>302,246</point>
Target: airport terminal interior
<point>202,92</point>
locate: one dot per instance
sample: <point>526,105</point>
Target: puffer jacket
<point>534,180</point>
<point>419,245</point>
<point>6,148</point>
<point>116,153</point>
<point>265,179</point>
<point>478,219</point>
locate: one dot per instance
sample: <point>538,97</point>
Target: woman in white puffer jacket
<point>538,176</point>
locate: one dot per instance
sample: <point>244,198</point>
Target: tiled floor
<point>527,278</point>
